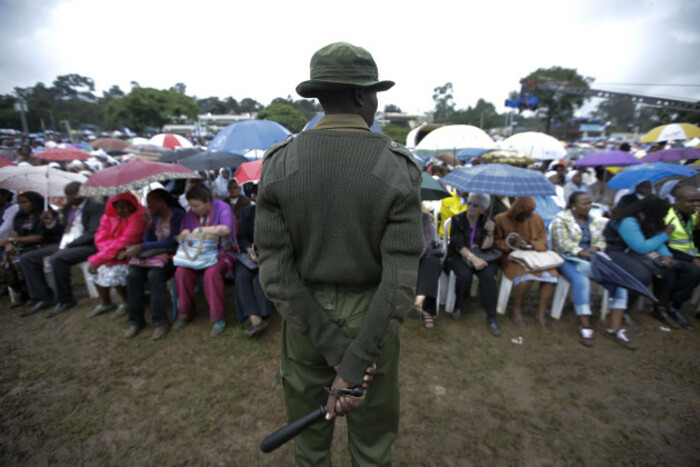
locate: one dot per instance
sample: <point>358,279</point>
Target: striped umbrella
<point>169,140</point>
<point>499,179</point>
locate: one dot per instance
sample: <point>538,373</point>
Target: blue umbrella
<point>499,179</point>
<point>312,123</point>
<point>241,137</point>
<point>652,171</point>
<point>608,272</point>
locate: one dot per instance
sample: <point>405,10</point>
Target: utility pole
<point>21,107</point>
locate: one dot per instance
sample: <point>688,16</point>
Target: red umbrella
<point>62,154</point>
<point>5,162</point>
<point>132,176</point>
<point>109,144</point>
<point>249,172</point>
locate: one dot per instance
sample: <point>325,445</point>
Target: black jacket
<point>91,215</point>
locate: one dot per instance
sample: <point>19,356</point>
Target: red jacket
<point>116,233</point>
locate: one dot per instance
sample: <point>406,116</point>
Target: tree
<point>248,105</point>
<point>483,115</point>
<point>144,107</point>
<point>395,132</point>
<point>391,108</point>
<point>444,105</point>
<point>619,111</point>
<point>559,106</point>
<point>212,105</point>
<point>284,114</point>
<point>180,88</point>
<point>74,86</point>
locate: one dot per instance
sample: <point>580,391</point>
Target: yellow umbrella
<point>671,132</point>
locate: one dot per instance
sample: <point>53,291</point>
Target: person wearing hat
<point>341,268</point>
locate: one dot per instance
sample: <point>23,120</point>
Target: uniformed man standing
<point>339,232</point>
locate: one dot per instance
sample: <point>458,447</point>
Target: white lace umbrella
<point>539,145</point>
<point>44,180</point>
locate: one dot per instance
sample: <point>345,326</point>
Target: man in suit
<point>80,220</point>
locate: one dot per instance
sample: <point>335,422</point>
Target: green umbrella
<point>431,190</point>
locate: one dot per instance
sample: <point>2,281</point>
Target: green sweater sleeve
<point>401,247</point>
<point>283,284</point>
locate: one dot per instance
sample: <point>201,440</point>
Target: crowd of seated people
<point>130,248</point>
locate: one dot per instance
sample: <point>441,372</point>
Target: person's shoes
<point>60,308</point>
<point>256,329</point>
<point>181,323</point>
<point>661,314</point>
<point>99,309</point>
<point>621,338</point>
<point>519,322</point>
<point>544,324</point>
<point>160,331</point>
<point>494,327</point>
<point>133,330</point>
<point>679,317</point>
<point>587,337</point>
<point>456,313</point>
<point>217,328</point>
<point>120,311</point>
<point>413,313</point>
<point>629,322</point>
<point>37,307</point>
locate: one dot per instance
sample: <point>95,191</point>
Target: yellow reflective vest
<point>681,238</point>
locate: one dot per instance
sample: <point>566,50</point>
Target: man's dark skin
<point>643,189</point>
<point>362,102</point>
<point>72,198</point>
<point>687,202</point>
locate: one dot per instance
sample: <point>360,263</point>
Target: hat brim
<point>312,88</point>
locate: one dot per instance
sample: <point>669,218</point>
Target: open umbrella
<point>62,154</point>
<point>45,180</point>
<point>499,179</point>
<point>180,153</point>
<point>171,141</point>
<point>607,270</point>
<point>241,137</point>
<point>248,172</point>
<point>673,154</point>
<point>109,144</point>
<point>652,171</point>
<point>449,159</point>
<point>608,159</point>
<point>312,123</point>
<point>506,156</point>
<point>132,176</point>
<point>212,160</point>
<point>671,132</point>
<point>431,190</point>
<point>539,145</point>
<point>6,162</point>
<point>453,138</point>
<point>147,151</point>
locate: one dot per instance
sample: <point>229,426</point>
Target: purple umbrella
<point>673,154</point>
<point>608,159</point>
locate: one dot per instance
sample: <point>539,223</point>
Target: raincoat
<point>116,233</point>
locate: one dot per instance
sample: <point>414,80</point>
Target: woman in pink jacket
<point>121,225</point>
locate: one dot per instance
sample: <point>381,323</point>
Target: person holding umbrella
<point>576,236</point>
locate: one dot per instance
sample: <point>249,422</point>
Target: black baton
<point>287,432</point>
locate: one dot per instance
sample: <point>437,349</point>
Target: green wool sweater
<point>340,207</point>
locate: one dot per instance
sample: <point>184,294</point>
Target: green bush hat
<point>341,65</point>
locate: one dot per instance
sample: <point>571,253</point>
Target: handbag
<point>197,250</point>
<point>487,255</point>
<point>532,260</point>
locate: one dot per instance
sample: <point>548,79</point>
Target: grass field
<point>73,391</point>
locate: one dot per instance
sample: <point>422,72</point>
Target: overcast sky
<point>261,49</point>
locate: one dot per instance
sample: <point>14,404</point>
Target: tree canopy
<point>144,107</point>
<point>284,114</point>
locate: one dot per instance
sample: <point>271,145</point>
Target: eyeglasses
<point>474,205</point>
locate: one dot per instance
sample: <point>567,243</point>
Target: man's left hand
<point>133,251</point>
<point>666,260</point>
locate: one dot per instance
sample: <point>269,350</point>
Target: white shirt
<point>7,219</point>
<point>75,229</point>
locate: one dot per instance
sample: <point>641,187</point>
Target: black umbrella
<point>212,160</point>
<point>608,271</point>
<point>178,154</point>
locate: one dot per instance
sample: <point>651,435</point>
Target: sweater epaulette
<point>275,147</point>
<point>398,149</point>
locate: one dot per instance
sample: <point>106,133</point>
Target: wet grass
<point>73,391</point>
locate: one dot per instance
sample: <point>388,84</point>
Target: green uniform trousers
<point>373,427</point>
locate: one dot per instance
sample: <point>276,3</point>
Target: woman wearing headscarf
<point>574,183</point>
<point>121,225</point>
<point>522,220</point>
<point>220,184</point>
<point>28,233</point>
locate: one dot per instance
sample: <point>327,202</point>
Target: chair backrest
<point>446,233</point>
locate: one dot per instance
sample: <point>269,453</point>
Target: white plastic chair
<point>562,292</point>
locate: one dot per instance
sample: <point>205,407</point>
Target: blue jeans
<point>581,290</point>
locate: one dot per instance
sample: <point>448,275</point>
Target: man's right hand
<point>669,229</point>
<point>344,405</point>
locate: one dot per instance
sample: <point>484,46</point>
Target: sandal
<point>428,321</point>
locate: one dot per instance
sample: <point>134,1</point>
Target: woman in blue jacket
<point>162,225</point>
